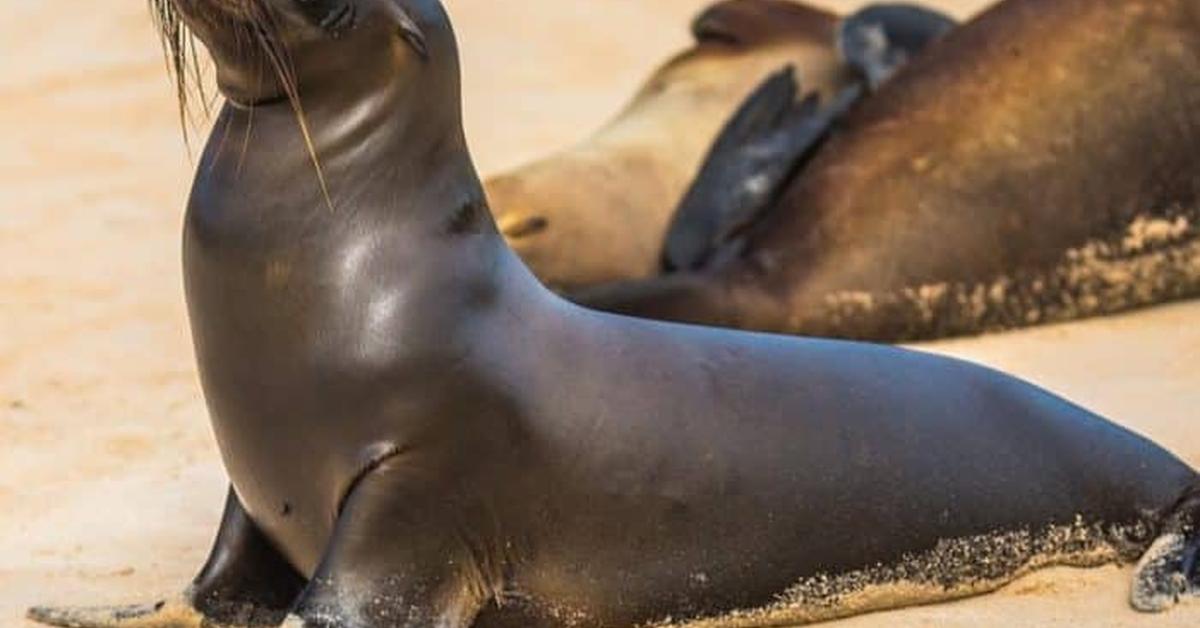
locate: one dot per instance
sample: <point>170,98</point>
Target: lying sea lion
<point>597,212</point>
<point>418,433</point>
<point>1040,167</point>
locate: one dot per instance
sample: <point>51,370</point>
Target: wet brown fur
<point>620,186</point>
<point>1037,166</point>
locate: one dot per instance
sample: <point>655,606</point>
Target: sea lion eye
<point>332,16</point>
<point>411,32</point>
<point>339,19</point>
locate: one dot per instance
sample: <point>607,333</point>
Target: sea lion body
<point>597,212</point>
<point>1038,165</point>
<point>418,433</point>
<point>674,473</point>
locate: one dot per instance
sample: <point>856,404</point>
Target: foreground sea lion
<point>597,212</point>
<point>419,434</point>
<point>1040,167</point>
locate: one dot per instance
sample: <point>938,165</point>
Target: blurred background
<point>110,484</point>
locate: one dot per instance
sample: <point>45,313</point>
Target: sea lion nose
<point>517,226</point>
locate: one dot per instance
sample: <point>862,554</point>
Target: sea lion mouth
<point>238,102</point>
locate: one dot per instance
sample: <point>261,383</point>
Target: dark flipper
<point>431,577</point>
<point>245,582</point>
<point>765,141</point>
<point>174,614</point>
<point>881,38</point>
<point>1170,569</point>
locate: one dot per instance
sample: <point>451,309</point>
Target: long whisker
<point>182,59</point>
<point>285,70</point>
<point>174,38</point>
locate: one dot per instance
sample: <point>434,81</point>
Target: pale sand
<point>109,482</point>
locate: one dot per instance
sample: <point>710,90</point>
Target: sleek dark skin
<point>1036,165</point>
<point>429,437</point>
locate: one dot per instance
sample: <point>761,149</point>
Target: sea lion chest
<point>301,328</point>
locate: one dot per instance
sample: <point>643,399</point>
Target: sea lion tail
<point>1170,569</point>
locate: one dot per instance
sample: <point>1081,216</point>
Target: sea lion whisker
<point>258,28</point>
<point>221,142</point>
<point>172,33</point>
<point>198,76</point>
<point>289,85</point>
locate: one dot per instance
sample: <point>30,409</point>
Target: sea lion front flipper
<point>398,557</point>
<point>877,40</point>
<point>173,614</point>
<point>245,582</point>
<point>764,142</point>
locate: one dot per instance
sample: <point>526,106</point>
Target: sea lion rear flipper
<point>878,40</point>
<point>245,582</point>
<point>1170,569</point>
<point>764,142</point>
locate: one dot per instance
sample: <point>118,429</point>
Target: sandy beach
<point>110,483</point>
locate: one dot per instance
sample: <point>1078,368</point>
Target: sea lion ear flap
<point>879,39</point>
<point>408,29</point>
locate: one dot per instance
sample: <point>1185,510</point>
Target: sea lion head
<point>364,79</point>
<point>598,212</point>
<point>268,51</point>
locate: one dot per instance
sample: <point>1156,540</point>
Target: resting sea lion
<point>597,212</point>
<point>419,434</point>
<point>1039,166</point>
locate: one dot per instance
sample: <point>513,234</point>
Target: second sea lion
<point>597,212</point>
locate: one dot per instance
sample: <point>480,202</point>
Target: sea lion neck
<point>347,158</point>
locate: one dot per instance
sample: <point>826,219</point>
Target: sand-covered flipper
<point>1170,570</point>
<point>177,613</point>
<point>770,136</point>
<point>879,39</point>
<point>244,582</point>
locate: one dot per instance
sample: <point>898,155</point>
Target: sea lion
<point>597,212</point>
<point>418,433</point>
<point>1038,166</point>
